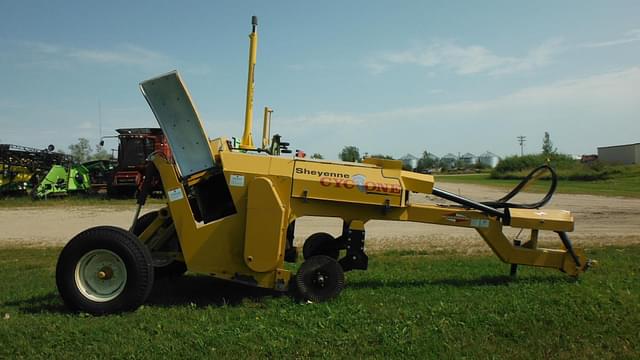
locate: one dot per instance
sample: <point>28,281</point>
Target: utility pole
<point>521,141</point>
<point>100,119</point>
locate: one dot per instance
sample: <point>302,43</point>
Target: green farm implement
<point>21,167</point>
<point>44,173</point>
<point>88,177</point>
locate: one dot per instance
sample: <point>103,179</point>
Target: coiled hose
<point>534,175</point>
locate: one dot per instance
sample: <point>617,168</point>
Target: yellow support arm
<point>247,136</point>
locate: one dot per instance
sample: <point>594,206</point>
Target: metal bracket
<point>355,259</point>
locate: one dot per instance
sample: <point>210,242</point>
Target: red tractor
<point>135,145</point>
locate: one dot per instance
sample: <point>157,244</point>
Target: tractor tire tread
<point>134,254</point>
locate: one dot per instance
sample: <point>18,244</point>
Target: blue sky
<point>387,76</point>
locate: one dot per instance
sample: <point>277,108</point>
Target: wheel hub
<point>100,275</point>
<point>105,273</point>
<point>320,279</point>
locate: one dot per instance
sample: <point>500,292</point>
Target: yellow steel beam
<point>247,136</point>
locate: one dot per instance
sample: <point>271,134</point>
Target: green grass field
<point>408,305</point>
<point>618,186</point>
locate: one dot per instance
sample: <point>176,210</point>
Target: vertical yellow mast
<point>247,136</point>
<point>266,128</point>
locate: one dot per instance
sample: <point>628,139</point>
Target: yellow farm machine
<point>231,213</point>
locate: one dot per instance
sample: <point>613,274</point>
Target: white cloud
<point>126,54</point>
<point>328,118</point>
<point>628,37</point>
<point>42,47</point>
<point>580,114</point>
<point>466,60</point>
<point>122,54</point>
<point>86,125</point>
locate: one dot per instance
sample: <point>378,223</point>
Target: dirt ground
<point>599,221</point>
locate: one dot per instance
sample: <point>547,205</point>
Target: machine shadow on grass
<point>203,291</point>
<point>498,280</point>
<point>200,291</point>
<point>207,291</point>
<point>48,303</point>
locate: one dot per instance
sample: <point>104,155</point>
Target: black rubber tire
<point>173,269</point>
<point>134,255</point>
<point>320,244</point>
<point>310,287</point>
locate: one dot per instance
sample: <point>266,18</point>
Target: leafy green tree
<point>100,154</point>
<point>81,151</point>
<point>547,145</point>
<point>427,161</point>
<point>350,153</point>
<point>380,156</point>
<point>317,156</point>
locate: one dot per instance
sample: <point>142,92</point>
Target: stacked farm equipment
<point>23,169</point>
<point>45,173</point>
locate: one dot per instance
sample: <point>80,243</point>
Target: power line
<point>521,141</point>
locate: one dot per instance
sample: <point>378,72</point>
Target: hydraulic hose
<point>536,173</point>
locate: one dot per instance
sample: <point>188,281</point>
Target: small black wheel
<point>320,278</point>
<point>320,244</point>
<point>104,270</point>
<point>163,267</point>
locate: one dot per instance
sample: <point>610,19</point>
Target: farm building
<point>448,161</point>
<point>469,159</point>
<point>489,159</point>
<point>409,161</point>
<point>620,154</point>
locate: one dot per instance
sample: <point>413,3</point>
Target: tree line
<point>429,161</point>
<point>83,152</point>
